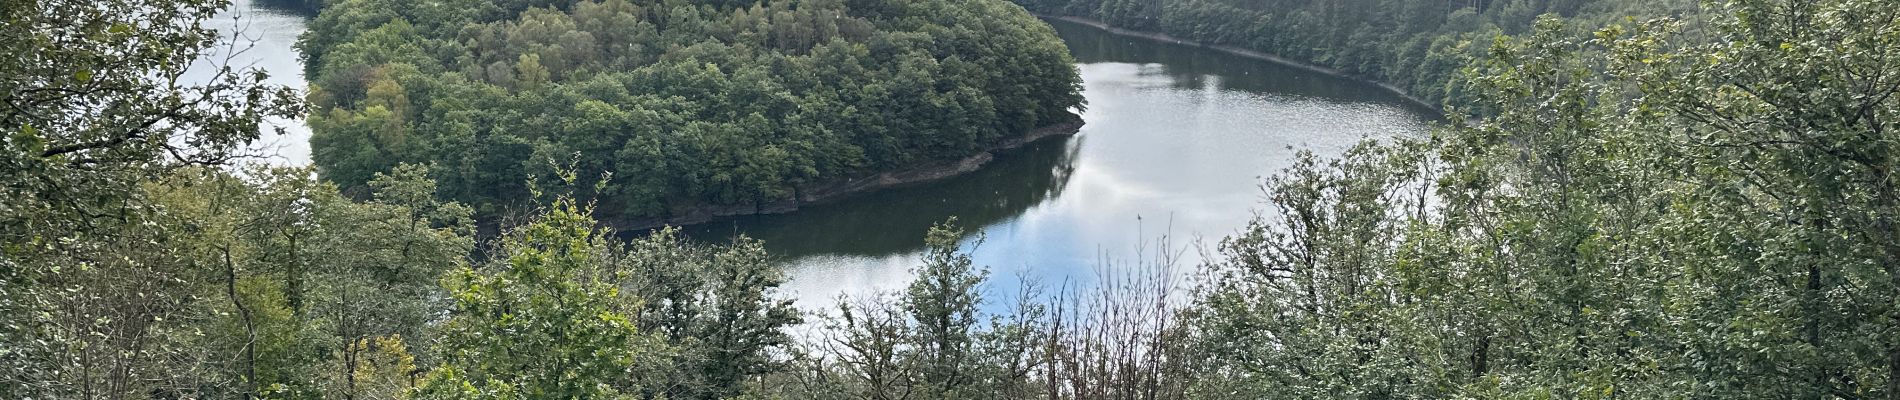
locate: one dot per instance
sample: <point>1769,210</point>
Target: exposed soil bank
<point>838,189</point>
<point>1163,37</point>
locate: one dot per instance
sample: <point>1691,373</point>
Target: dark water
<point>262,34</point>
<point>1177,141</point>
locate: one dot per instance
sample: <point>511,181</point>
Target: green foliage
<point>533,325</point>
<point>233,287</point>
<point>95,104</point>
<point>654,317</point>
<point>943,300</point>
<point>1641,215</point>
<point>686,103</point>
<point>1304,307</point>
<point>716,307</point>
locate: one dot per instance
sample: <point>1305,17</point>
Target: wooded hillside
<point>684,102</point>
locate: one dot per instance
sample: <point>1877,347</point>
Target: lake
<point>263,35</point>
<point>1177,141</point>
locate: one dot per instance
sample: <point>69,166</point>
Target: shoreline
<point>1243,52</point>
<point>844,188</point>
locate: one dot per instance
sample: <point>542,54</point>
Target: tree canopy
<point>685,103</point>
<point>1643,214</point>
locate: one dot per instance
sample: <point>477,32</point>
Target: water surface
<point>1177,141</point>
<point>262,34</point>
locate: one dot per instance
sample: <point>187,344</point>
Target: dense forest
<point>1418,46</point>
<point>1661,208</point>
<point>685,103</point>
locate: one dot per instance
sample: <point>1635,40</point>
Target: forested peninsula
<point>675,108</point>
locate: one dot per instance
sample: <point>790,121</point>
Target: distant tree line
<point>1419,46</point>
<point>685,103</point>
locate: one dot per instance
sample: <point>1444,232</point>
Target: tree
<point>1663,216</point>
<point>534,325</point>
<point>1785,128</point>
<point>97,99</point>
<point>943,301</point>
<point>377,293</point>
<point>248,286</point>
<point>716,307</point>
<point>927,341</point>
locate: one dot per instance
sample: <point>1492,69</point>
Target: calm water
<point>1177,141</point>
<point>263,35</point>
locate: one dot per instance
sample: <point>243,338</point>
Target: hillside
<point>685,103</point>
